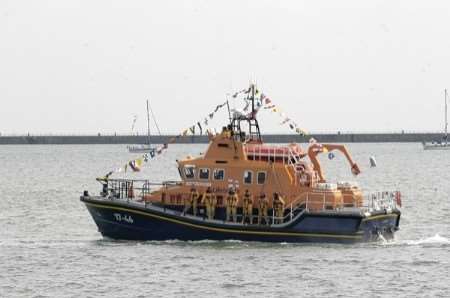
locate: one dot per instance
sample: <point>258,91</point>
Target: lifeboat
<point>243,189</point>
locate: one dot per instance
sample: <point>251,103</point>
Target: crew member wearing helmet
<point>247,207</point>
<point>191,201</point>
<point>231,208</point>
<point>278,207</point>
<point>209,200</point>
<point>263,207</point>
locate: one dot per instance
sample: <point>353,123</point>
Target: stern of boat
<point>381,216</point>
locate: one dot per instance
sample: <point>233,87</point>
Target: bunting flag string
<point>136,164</point>
<point>202,125</point>
<point>262,101</point>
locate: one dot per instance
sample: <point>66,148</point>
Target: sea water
<point>50,246</point>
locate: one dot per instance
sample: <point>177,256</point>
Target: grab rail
<point>137,189</point>
<point>130,188</point>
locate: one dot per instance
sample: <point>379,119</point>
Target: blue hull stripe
<point>376,217</point>
<point>224,230</point>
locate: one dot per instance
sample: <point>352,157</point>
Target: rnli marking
<point>123,218</point>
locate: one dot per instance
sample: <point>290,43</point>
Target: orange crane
<point>317,148</point>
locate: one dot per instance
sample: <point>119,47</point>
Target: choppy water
<point>50,247</point>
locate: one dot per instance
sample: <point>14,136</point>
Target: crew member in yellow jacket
<point>263,208</point>
<point>247,207</point>
<point>278,207</point>
<point>191,201</point>
<point>231,208</point>
<point>209,200</point>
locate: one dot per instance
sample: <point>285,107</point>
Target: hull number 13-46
<point>123,217</point>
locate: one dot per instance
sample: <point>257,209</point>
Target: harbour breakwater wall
<point>270,138</point>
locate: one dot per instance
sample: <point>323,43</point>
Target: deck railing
<point>372,201</point>
<point>131,189</point>
<point>382,200</point>
<point>136,190</point>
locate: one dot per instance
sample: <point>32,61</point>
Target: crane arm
<point>317,148</point>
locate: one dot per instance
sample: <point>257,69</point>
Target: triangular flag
<point>136,165</point>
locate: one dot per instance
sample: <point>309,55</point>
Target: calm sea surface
<point>50,247</point>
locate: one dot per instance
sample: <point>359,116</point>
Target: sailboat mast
<point>446,117</point>
<point>148,125</point>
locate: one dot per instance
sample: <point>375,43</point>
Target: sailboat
<point>145,148</point>
<point>440,144</point>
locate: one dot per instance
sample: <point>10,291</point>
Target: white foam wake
<point>436,239</point>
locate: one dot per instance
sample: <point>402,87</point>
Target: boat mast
<point>154,119</point>
<point>252,121</point>
<point>446,116</point>
<point>148,125</point>
<point>250,118</point>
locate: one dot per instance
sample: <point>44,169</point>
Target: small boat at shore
<point>244,189</point>
<point>442,144</point>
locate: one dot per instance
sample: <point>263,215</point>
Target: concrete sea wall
<point>274,138</point>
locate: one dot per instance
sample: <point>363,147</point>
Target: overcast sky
<point>88,66</point>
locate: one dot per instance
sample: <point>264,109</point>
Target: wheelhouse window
<point>219,174</point>
<point>248,176</point>
<point>261,177</point>
<point>189,171</point>
<point>203,173</point>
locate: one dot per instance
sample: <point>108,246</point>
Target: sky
<point>84,67</point>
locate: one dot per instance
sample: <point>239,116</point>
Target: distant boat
<point>442,144</point>
<point>145,148</point>
<point>142,148</point>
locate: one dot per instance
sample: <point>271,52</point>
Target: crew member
<point>247,207</point>
<point>226,132</point>
<point>104,192</point>
<point>191,201</point>
<point>263,209</point>
<point>278,207</point>
<point>209,201</point>
<point>130,190</point>
<point>231,208</point>
<point>213,205</point>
